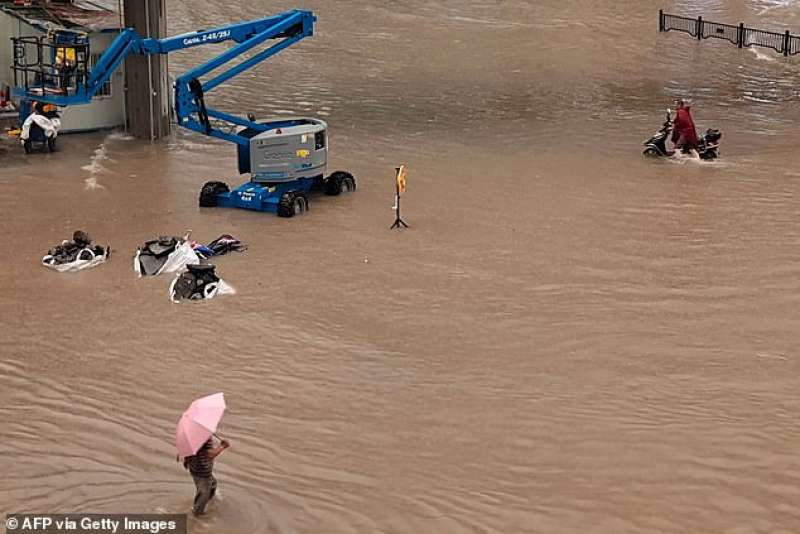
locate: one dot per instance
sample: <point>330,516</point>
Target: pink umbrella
<point>198,423</point>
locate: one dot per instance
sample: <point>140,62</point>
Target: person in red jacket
<point>684,134</point>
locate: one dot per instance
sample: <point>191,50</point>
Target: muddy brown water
<point>568,339</point>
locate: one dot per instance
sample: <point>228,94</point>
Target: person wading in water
<point>201,466</point>
<point>684,134</point>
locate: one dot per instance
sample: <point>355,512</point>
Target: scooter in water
<point>656,146</point>
<point>40,129</point>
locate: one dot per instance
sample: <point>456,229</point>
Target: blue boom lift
<point>286,157</point>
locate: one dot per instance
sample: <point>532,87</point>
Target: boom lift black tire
<point>348,183</point>
<point>300,204</point>
<point>285,205</point>
<point>209,192</point>
<point>339,182</point>
<point>292,203</point>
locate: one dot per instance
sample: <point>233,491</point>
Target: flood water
<point>569,338</point>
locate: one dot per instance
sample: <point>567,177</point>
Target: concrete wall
<point>102,112</point>
<point>5,50</point>
<point>149,89</point>
<point>10,27</point>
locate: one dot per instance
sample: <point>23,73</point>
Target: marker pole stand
<point>398,222</point>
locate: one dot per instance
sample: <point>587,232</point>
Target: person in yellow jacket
<point>65,65</point>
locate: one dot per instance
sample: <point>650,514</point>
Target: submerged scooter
<point>656,146</point>
<point>40,128</point>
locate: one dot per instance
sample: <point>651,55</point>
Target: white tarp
<point>50,126</point>
<point>86,259</point>
<point>176,261</point>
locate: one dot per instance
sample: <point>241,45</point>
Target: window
<point>319,140</point>
<point>105,89</point>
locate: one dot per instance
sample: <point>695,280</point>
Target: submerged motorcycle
<point>656,146</point>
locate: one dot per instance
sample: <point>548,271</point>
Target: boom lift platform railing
<point>50,64</point>
<point>742,36</point>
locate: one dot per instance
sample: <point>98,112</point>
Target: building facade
<point>101,25</point>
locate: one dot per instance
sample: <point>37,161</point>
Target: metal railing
<point>36,69</point>
<point>742,36</point>
<point>794,45</point>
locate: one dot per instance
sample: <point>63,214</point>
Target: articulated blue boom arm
<point>190,109</point>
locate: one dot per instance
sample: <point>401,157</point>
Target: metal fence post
<point>16,84</point>
<point>786,43</point>
<point>699,28</point>
<point>661,20</point>
<point>740,35</point>
<point>41,64</point>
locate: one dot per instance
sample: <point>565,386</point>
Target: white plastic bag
<point>86,259</point>
<point>176,261</point>
<point>50,126</point>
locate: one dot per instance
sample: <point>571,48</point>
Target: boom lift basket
<point>53,64</point>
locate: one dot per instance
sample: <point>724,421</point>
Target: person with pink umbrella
<point>194,443</point>
<point>201,467</point>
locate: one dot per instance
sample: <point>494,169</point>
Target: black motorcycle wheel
<point>651,152</point>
